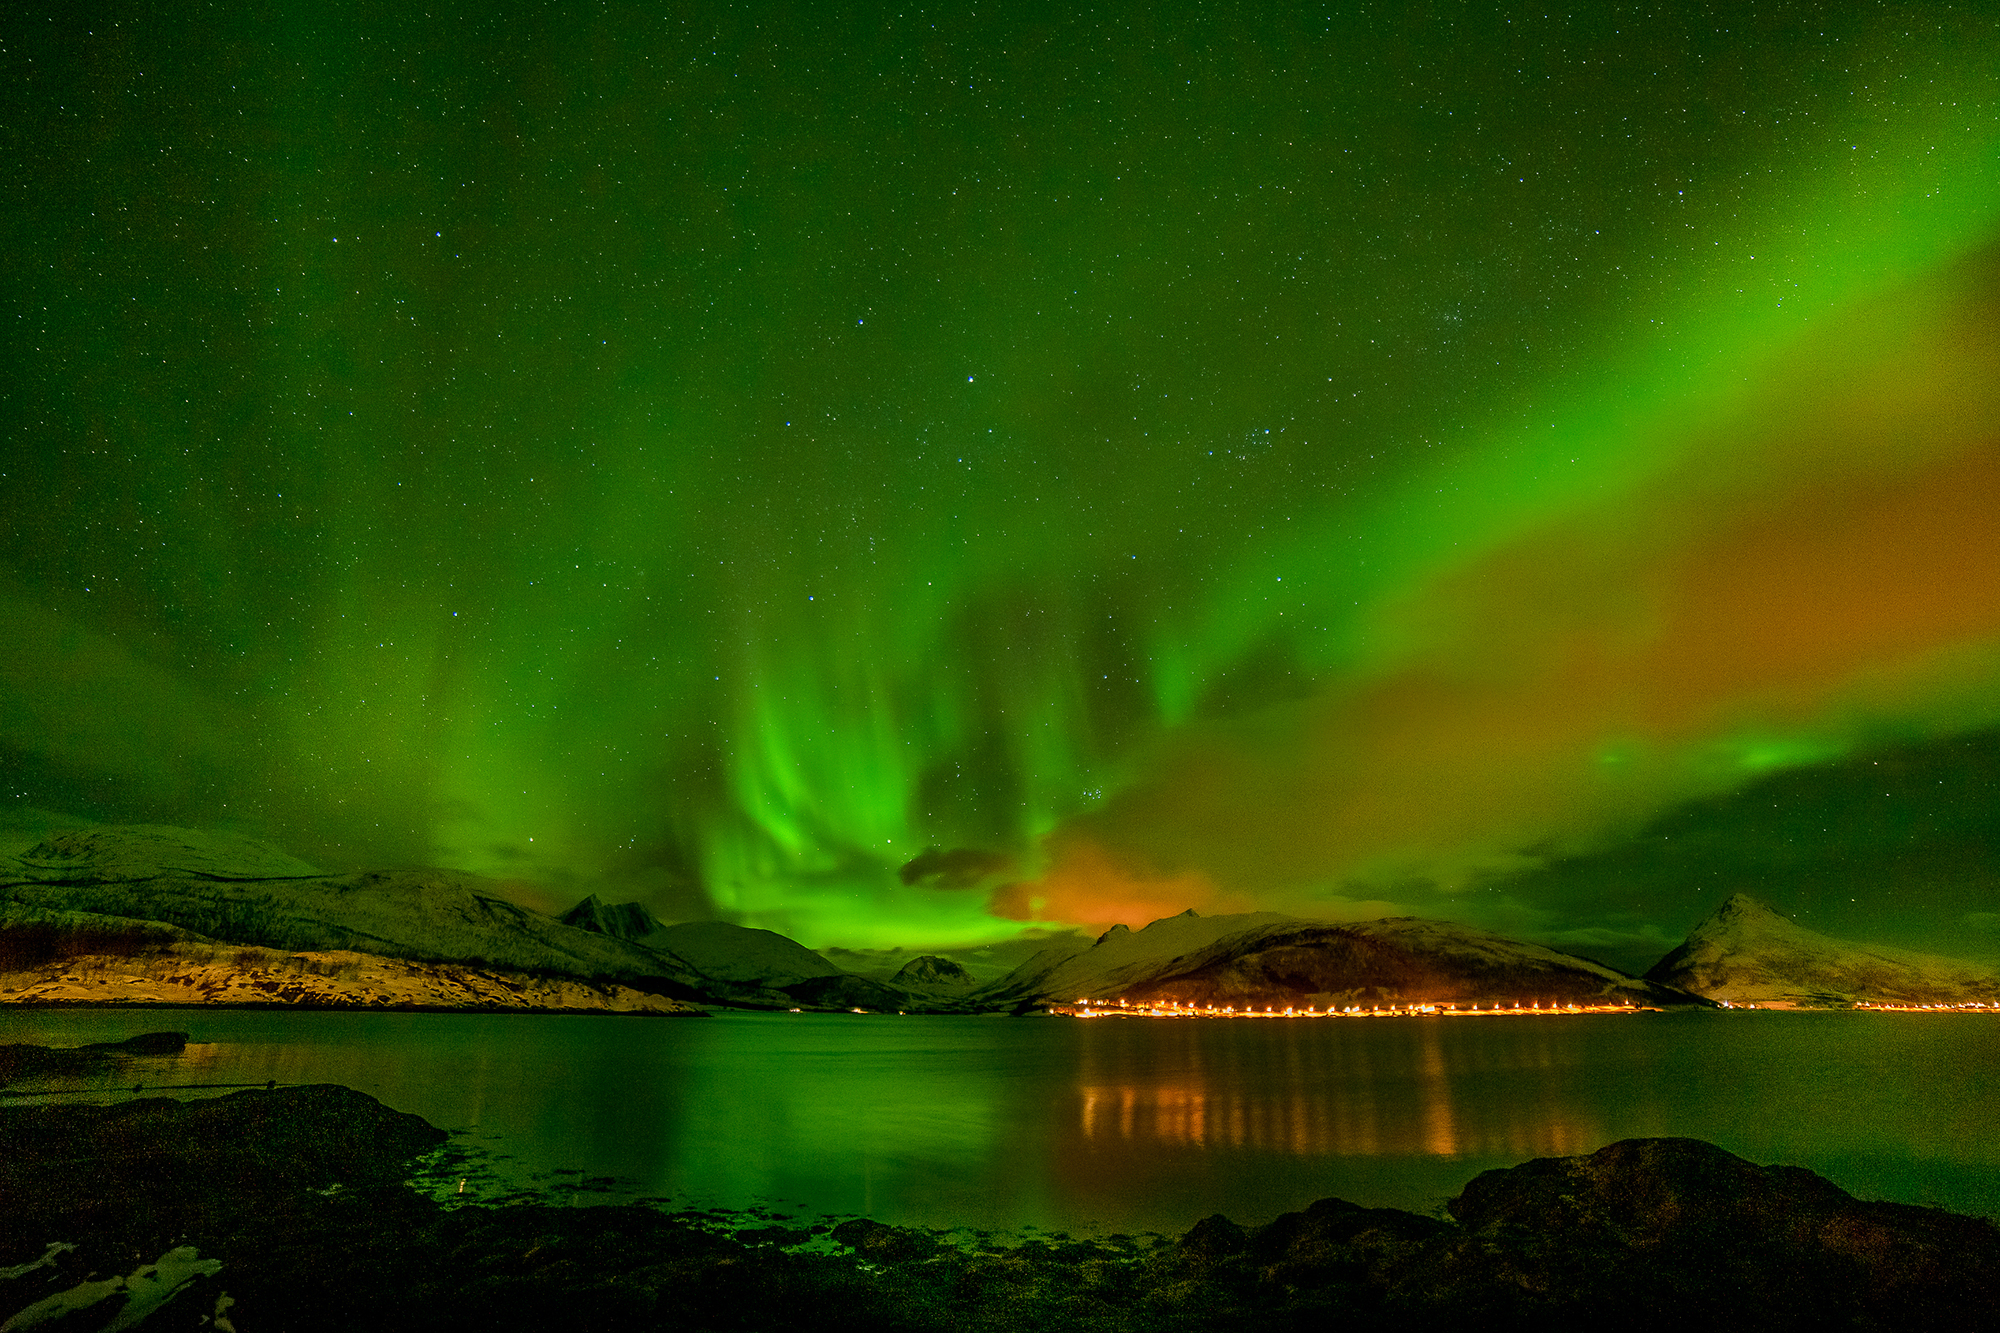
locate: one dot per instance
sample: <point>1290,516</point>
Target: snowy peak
<point>1742,912</point>
<point>1745,953</point>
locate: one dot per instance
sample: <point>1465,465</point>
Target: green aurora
<point>894,479</point>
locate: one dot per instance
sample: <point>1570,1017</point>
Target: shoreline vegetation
<point>316,1207</point>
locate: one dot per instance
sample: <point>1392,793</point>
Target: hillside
<point>182,973</point>
<point>1744,953</point>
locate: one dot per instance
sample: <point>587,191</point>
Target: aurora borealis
<point>892,479</point>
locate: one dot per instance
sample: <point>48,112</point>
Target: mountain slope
<point>1744,953</point>
<point>1268,959</point>
<point>742,954</point>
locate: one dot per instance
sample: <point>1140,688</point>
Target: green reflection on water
<point>1130,1125</point>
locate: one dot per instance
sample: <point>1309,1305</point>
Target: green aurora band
<point>720,463</point>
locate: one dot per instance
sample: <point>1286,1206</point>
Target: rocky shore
<point>290,1209</point>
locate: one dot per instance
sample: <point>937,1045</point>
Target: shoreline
<point>296,1208</point>
<point>251,977</point>
<point>356,1007</point>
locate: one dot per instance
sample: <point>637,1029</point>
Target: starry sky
<point>905,475</point>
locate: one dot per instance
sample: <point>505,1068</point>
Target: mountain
<point>983,963</point>
<point>624,921</point>
<point>1744,953</point>
<point>742,954</point>
<point>1265,958</point>
<point>163,915</point>
<point>227,888</point>
<point>738,964</point>
<point>933,973</point>
<point>764,968</point>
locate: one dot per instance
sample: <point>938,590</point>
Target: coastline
<point>294,1208</point>
<point>184,975</point>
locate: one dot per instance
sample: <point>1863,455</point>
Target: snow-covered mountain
<point>1265,958</point>
<point>152,893</point>
<point>231,889</point>
<point>1744,953</point>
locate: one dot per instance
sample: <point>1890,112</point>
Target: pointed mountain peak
<point>1739,911</point>
<point>1117,931</point>
<point>1745,953</point>
<point>625,921</point>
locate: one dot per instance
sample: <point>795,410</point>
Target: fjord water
<point>1121,1124</point>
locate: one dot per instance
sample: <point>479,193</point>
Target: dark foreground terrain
<point>287,1209</point>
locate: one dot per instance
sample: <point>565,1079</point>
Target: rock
<point>1679,1233</point>
<point>1214,1237</point>
<point>158,1169</point>
<point>882,1244</point>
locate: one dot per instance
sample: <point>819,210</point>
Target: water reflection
<point>1321,1090</point>
<point>1123,1125</point>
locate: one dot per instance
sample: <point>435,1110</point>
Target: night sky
<point>898,477</point>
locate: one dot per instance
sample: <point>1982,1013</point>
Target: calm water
<point>1124,1125</point>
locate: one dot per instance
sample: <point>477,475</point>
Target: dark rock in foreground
<point>1707,1239</point>
<point>285,1210</point>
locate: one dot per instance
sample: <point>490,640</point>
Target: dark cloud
<point>954,868</point>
